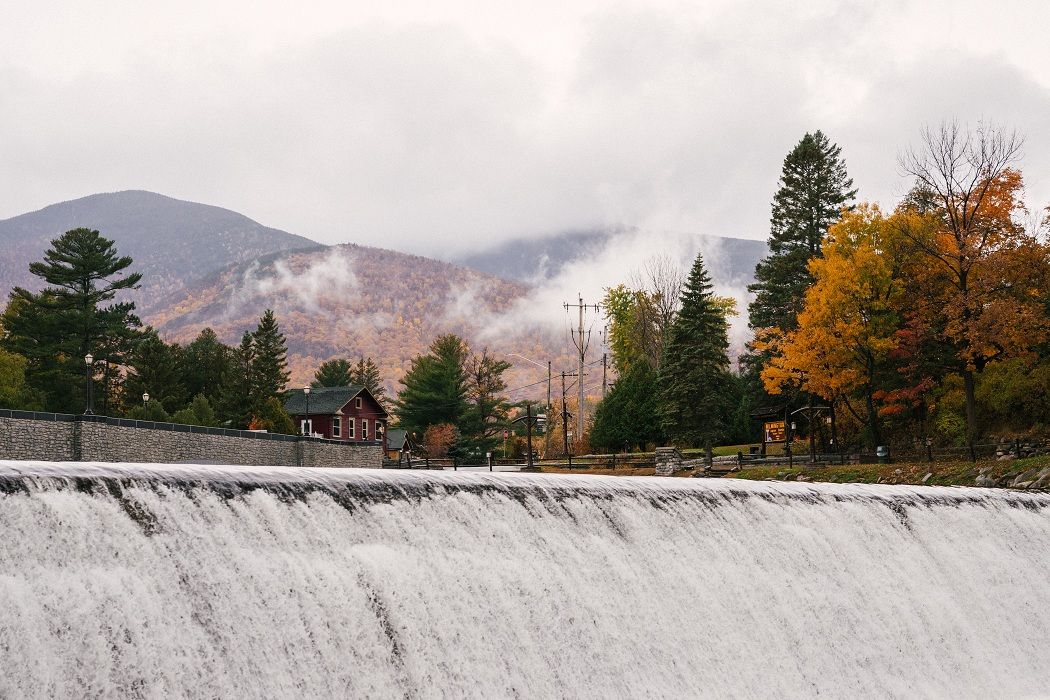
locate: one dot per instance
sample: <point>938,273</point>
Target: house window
<point>379,430</point>
<point>306,427</point>
<point>350,429</point>
<point>357,402</point>
<point>364,429</point>
<point>337,426</point>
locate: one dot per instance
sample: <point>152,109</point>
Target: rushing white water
<point>166,581</point>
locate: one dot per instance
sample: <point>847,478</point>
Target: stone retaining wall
<point>66,438</point>
<point>1018,448</point>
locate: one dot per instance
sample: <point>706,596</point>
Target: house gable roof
<point>325,400</point>
<point>395,438</point>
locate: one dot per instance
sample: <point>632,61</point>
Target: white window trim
<point>357,402</point>
<point>350,423</point>
<point>378,429</point>
<point>306,426</point>
<point>337,426</point>
<point>364,428</point>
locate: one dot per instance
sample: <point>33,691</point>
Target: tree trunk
<point>971,413</point>
<point>873,418</point>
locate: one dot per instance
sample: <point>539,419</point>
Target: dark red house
<point>347,413</point>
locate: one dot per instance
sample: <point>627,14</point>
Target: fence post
<point>489,456</point>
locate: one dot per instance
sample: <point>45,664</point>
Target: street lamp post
<point>89,385</point>
<point>306,424</point>
<point>546,429</point>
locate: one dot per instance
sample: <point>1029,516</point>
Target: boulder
<point>1023,480</point>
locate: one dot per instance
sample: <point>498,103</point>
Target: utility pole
<point>581,338</point>
<point>548,390</point>
<point>605,373</point>
<point>528,433</point>
<point>547,424</point>
<point>564,415</point>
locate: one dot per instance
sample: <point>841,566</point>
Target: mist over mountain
<point>205,266</point>
<point>174,243</point>
<point>732,260</point>
<point>352,301</point>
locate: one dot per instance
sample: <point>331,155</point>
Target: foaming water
<point>168,581</point>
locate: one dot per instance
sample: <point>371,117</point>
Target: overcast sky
<point>435,126</point>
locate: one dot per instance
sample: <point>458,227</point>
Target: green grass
<point>728,450</point>
<point>958,473</point>
<point>1032,462</point>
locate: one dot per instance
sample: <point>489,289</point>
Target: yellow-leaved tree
<point>847,324</point>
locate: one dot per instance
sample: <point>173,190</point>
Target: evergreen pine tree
<point>814,187</point>
<point>206,363</point>
<point>486,416</point>
<point>629,416</point>
<point>269,369</point>
<point>694,376</point>
<point>333,373</point>
<point>156,368</point>
<point>435,387</point>
<point>366,373</point>
<point>57,327</point>
<point>235,405</point>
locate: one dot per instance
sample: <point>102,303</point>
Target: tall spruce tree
<point>270,361</point>
<point>435,387</point>
<point>694,376</point>
<point>814,187</point>
<point>57,327</point>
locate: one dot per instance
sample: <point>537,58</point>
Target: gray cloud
<point>433,128</point>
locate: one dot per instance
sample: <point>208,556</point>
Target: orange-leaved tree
<point>847,325</point>
<point>980,276</point>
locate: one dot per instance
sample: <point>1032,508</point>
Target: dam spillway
<point>194,581</point>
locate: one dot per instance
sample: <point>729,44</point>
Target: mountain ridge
<point>206,266</point>
<point>173,242</point>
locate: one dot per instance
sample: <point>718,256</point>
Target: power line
<point>581,339</point>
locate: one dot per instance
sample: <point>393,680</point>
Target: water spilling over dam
<point>155,581</point>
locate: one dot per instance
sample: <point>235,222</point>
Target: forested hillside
<point>350,301</point>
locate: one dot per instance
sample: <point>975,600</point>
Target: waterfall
<point>203,581</point>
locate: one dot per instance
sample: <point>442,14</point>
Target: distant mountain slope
<point>174,243</point>
<point>532,260</point>
<point>350,301</point>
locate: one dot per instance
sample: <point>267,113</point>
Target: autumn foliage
<point>909,311</point>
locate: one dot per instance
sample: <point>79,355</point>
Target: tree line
<point>83,311</point>
<point>929,321</point>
